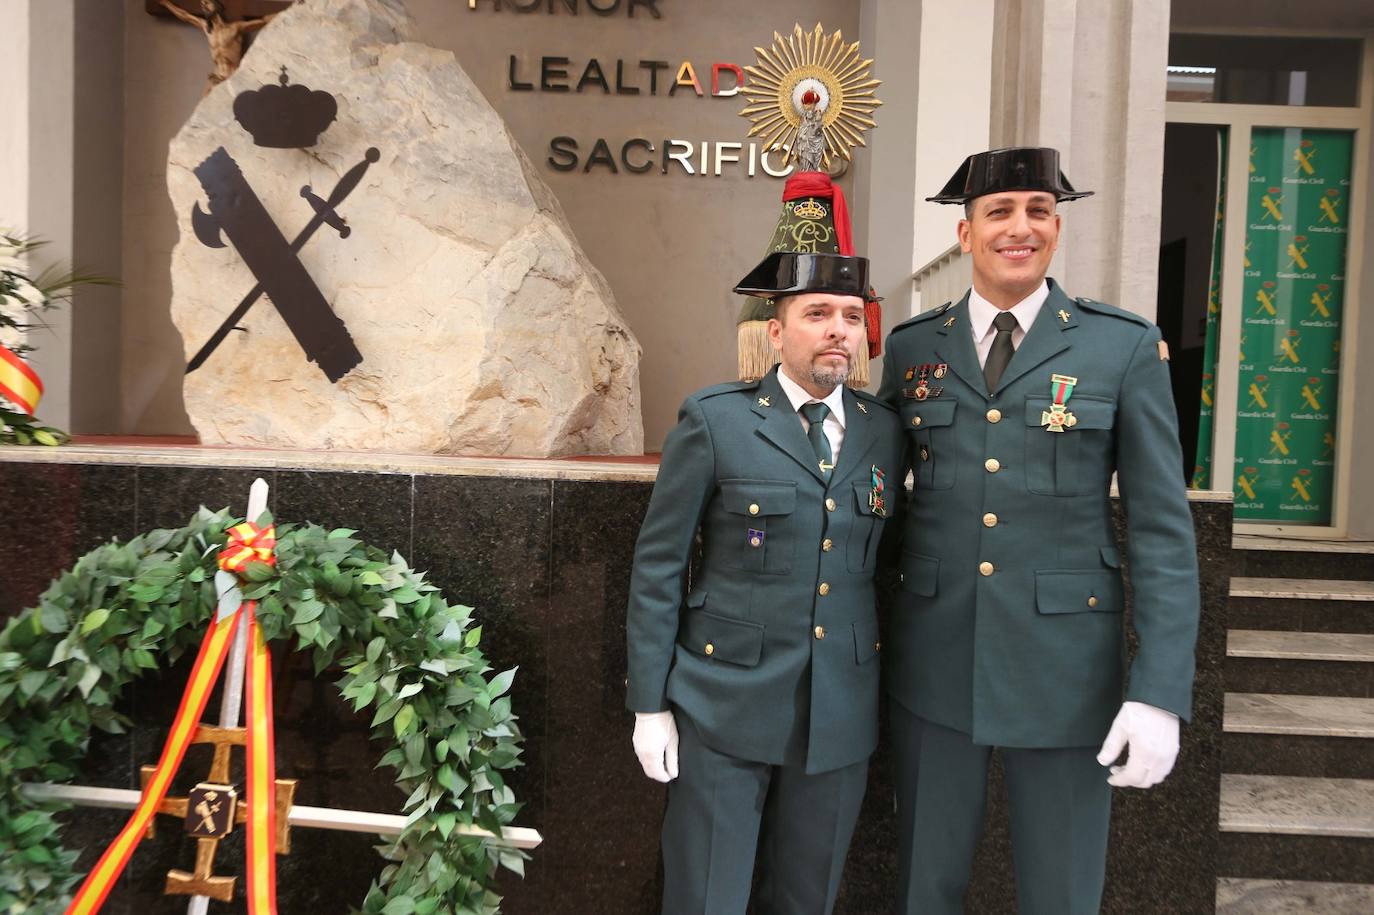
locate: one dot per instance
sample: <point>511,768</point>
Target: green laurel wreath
<point>128,608</point>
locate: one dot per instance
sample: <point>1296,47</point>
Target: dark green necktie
<point>1002,350</point>
<point>815,414</point>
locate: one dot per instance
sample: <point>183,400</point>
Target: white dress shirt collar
<point>798,397</point>
<point>981,312</point>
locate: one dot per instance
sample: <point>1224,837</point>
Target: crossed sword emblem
<point>236,212</point>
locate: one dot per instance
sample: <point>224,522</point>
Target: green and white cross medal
<point>1058,418</point>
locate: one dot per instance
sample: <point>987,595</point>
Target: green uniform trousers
<point>722,811</point>
<point>1060,807</point>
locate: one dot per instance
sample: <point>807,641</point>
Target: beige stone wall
<point>670,244</point>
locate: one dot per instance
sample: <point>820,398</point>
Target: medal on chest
<point>1058,418</point>
<point>876,500</point>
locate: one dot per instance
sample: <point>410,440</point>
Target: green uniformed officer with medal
<point>1019,403</point>
<point>755,684</point>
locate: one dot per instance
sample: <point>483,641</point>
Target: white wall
<point>51,124</point>
<point>14,102</point>
<point>952,122</point>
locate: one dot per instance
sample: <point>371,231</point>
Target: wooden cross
<point>203,882</point>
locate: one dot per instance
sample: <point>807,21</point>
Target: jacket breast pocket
<point>720,638</point>
<point>929,430</point>
<point>867,528</point>
<point>759,528</point>
<point>1077,461</point>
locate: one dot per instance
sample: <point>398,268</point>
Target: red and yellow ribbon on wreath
<point>19,384</point>
<point>247,543</point>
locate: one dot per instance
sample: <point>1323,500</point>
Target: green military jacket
<point>772,652</point>
<point>1009,622</point>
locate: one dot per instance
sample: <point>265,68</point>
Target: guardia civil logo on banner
<point>1294,293</point>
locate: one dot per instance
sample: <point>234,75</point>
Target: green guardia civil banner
<point>1293,294</point>
<point>1202,467</point>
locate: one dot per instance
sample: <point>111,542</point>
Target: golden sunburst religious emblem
<point>811,72</point>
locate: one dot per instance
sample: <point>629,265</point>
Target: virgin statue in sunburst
<point>810,97</point>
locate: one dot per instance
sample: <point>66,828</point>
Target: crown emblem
<point>284,116</point>
<point>809,209</point>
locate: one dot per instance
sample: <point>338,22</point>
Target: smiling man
<point>1019,403</point>
<point>756,689</point>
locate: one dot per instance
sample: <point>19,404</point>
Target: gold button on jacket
<point>994,415</point>
<point>820,632</point>
<point>993,465</point>
<point>989,520</point>
<point>824,589</point>
<point>985,569</point>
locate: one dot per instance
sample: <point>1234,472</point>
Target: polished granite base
<point>543,551</point>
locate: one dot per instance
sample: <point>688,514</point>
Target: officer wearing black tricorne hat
<point>1019,404</point>
<point>756,689</point>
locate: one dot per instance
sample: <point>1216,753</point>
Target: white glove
<point>1152,735</point>
<point>655,743</point>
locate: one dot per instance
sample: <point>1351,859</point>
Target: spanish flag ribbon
<point>247,543</point>
<point>19,384</point>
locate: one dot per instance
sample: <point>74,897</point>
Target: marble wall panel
<point>546,563</point>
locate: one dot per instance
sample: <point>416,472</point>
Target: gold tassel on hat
<point>756,354</point>
<point>858,368</point>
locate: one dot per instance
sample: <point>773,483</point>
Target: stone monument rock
<point>418,288</point>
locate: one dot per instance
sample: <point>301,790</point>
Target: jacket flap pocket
<point>930,412</point>
<point>866,643</point>
<point>1111,557</point>
<point>920,574</point>
<point>863,489</point>
<point>1087,414</point>
<point>697,598</point>
<point>1078,591</point>
<point>721,638</point>
<point>758,497</point>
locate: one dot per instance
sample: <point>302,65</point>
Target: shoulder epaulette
<point>872,399</point>
<point>1103,308</point>
<point>924,316</point>
<point>725,388</point>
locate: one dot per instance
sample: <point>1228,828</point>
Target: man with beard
<point>1020,403</point>
<point>756,689</point>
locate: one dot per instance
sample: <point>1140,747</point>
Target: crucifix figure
<point>226,37</point>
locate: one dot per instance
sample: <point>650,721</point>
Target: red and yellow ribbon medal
<point>247,544</point>
<point>19,384</point>
<point>1058,418</point>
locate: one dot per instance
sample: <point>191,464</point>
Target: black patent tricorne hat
<point>791,273</point>
<point>1016,168</point>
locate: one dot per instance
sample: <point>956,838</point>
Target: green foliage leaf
<point>94,620</point>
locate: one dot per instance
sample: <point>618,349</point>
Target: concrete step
<point>1291,806</point>
<point>1280,754</point>
<point>1263,543</point>
<point>1300,615</point>
<point>1240,896</point>
<point>1272,557</point>
<point>1301,716</point>
<point>1300,646</point>
<point>1302,589</point>
<point>1304,663</point>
